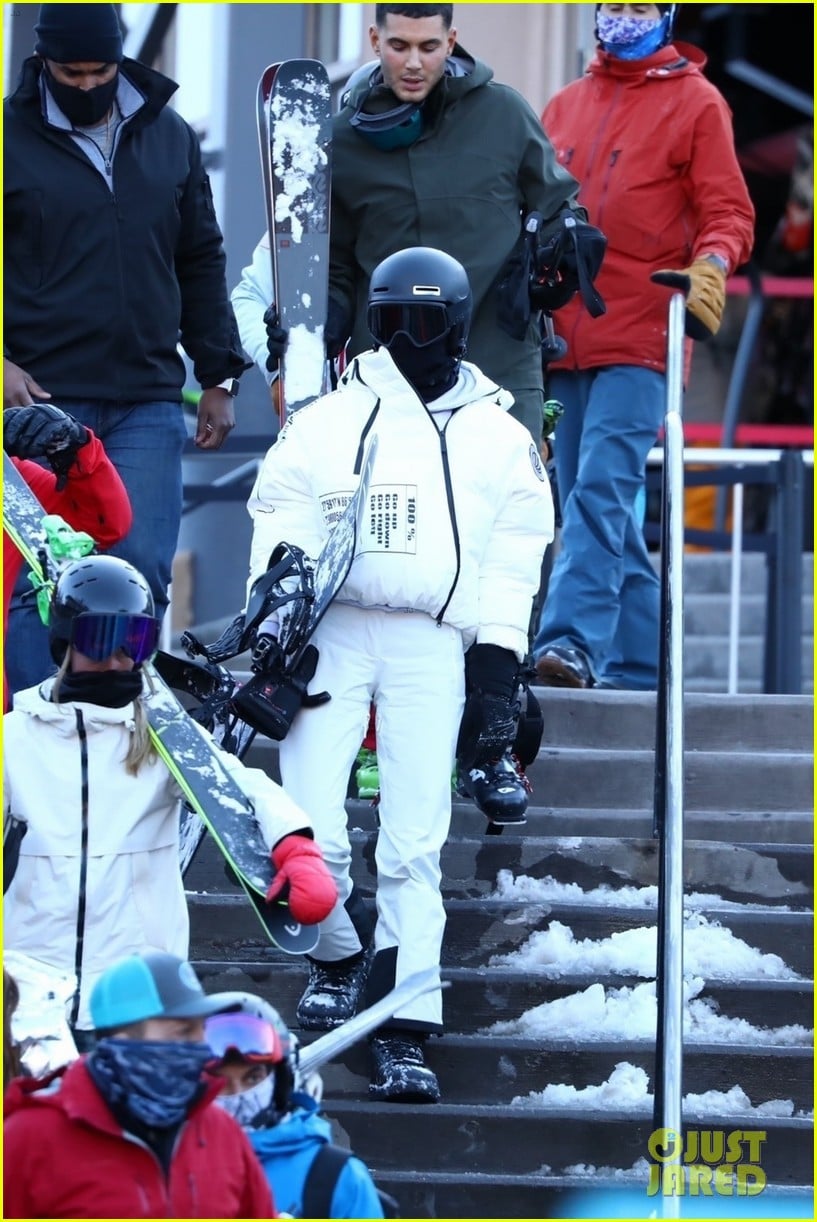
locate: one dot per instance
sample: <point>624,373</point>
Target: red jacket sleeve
<point>94,499</point>
<point>716,187</point>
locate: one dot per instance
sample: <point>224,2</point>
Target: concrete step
<point>711,572</point>
<point>709,656</point>
<point>616,719</point>
<point>224,927</point>
<point>596,1192</point>
<point>481,996</point>
<point>710,613</point>
<point>593,1194</point>
<point>768,874</point>
<point>585,777</point>
<point>503,1140</point>
<point>517,1067</point>
<point>705,685</point>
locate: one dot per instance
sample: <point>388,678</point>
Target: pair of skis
<point>215,800</point>
<point>189,754</point>
<point>295,137</point>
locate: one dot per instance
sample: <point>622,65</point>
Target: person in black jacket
<point>113,255</point>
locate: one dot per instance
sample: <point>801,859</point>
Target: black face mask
<point>83,107</point>
<point>112,689</point>
<point>432,370</point>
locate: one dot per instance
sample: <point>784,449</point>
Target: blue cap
<point>155,985</point>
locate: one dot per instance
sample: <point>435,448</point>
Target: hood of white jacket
<point>36,702</point>
<point>377,370</point>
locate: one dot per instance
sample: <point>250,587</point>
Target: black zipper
<point>83,864</point>
<point>452,513</point>
<point>366,430</point>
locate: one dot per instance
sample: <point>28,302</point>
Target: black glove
<point>43,430</point>
<point>492,670</point>
<point>337,330</point>
<point>277,338</point>
<point>491,712</point>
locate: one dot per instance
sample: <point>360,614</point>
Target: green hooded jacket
<point>481,164</point>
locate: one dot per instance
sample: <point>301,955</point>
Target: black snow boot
<point>500,790</point>
<point>400,1072</point>
<point>333,992</point>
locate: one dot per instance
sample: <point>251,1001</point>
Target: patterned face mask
<point>245,1106</point>
<point>631,37</point>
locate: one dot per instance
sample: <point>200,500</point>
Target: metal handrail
<point>781,470</point>
<point>669,758</point>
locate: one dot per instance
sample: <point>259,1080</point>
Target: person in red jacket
<point>128,1131</point>
<point>650,141</point>
<point>82,484</point>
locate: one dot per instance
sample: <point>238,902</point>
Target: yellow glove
<point>704,285</point>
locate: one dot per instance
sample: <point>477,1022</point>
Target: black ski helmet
<point>422,293</point>
<point>109,594</point>
<point>222,1035</point>
<point>666,10</point>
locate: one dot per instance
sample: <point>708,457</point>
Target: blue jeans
<point>603,597</point>
<point>144,441</point>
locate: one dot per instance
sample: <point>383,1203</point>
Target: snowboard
<point>295,138</point>
<point>222,806</point>
<point>331,570</point>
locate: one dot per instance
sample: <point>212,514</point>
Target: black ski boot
<point>400,1072</point>
<point>333,992</point>
<point>500,790</point>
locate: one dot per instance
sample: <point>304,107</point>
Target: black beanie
<point>79,34</point>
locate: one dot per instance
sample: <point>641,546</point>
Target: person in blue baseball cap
<point>128,1131</point>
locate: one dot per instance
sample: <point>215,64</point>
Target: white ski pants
<point>412,669</point>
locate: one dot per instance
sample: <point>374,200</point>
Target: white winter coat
<point>134,895</point>
<point>460,511</point>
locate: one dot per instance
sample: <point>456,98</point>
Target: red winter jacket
<point>94,500</point>
<point>651,144</point>
<point>65,1156</point>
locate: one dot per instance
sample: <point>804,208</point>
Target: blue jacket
<point>286,1153</point>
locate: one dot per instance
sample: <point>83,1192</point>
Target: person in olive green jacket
<point>429,150</point>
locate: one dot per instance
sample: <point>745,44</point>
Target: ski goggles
<point>100,636</point>
<point>243,1033</point>
<point>423,322</point>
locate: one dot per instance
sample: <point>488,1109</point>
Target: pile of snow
<point>597,1013</point>
<point>710,951</point>
<point>548,890</point>
<point>627,1090</point>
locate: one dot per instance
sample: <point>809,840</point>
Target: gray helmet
<point>269,1042</point>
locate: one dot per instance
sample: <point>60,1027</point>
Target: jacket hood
<point>464,73</point>
<point>377,370</point>
<point>297,1130</point>
<point>676,59</point>
<point>36,702</point>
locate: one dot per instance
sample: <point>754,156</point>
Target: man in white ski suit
<point>458,517</point>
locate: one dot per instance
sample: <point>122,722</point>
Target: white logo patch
<point>536,463</point>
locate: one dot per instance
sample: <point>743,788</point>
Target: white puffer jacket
<point>134,898</point>
<point>460,511</point>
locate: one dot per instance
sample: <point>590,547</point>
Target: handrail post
<point>783,662</point>
<point>669,772</point>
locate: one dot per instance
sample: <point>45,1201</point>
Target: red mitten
<point>300,867</point>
